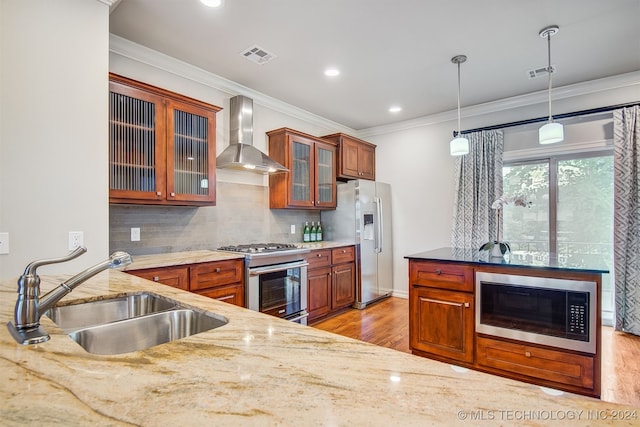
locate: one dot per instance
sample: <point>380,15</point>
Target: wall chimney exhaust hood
<point>241,154</point>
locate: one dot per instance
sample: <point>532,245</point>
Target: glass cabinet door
<point>302,185</point>
<point>136,125</point>
<point>325,176</point>
<point>191,171</point>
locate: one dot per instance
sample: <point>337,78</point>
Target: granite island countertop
<point>586,263</point>
<point>257,370</point>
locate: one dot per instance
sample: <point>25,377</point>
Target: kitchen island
<point>257,370</point>
<point>532,317</point>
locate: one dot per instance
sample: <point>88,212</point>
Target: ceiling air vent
<point>258,55</point>
<point>539,72</point>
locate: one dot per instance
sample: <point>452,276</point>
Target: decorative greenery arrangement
<point>498,248</point>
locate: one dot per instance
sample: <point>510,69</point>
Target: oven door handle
<point>275,268</point>
<point>302,316</point>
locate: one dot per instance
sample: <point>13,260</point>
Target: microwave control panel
<point>578,315</point>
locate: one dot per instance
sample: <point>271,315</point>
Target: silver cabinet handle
<point>156,278</point>
<point>158,193</point>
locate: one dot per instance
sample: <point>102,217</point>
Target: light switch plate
<point>293,229</point>
<point>4,243</point>
<point>135,234</point>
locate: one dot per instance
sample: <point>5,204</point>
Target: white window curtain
<point>626,218</point>
<point>479,184</point>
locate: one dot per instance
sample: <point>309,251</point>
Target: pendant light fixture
<point>459,145</point>
<point>551,132</point>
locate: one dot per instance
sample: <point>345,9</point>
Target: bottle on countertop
<point>319,232</point>
<point>306,232</point>
<point>312,232</point>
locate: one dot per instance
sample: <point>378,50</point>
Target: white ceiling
<point>390,52</point>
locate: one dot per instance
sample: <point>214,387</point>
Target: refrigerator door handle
<point>378,226</point>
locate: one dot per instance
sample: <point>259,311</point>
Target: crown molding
<point>564,92</point>
<point>136,52</point>
<point>109,2</point>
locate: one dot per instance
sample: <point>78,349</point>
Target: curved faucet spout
<point>30,306</point>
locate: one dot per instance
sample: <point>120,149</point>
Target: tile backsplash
<point>241,215</point>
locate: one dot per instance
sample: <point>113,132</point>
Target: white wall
<point>414,158</point>
<point>53,132</point>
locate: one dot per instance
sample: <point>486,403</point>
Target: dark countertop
<point>587,263</point>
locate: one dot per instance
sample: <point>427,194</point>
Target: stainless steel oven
<point>555,312</point>
<point>275,279</point>
<point>279,290</point>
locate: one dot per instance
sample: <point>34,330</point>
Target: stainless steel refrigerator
<point>363,216</point>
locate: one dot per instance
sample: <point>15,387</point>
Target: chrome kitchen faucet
<point>26,328</point>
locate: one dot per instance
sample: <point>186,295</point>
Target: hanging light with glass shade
<point>459,145</point>
<point>551,132</point>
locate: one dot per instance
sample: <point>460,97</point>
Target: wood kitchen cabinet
<point>442,326</point>
<point>331,281</point>
<point>162,146</point>
<point>221,280</point>
<point>441,305</point>
<point>356,158</point>
<point>178,277</point>
<point>310,182</point>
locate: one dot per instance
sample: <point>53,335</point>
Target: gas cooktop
<point>254,248</point>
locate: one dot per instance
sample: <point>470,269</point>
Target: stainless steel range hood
<point>241,154</point>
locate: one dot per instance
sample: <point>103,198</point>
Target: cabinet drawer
<point>319,258</point>
<point>211,274</point>
<point>178,277</point>
<point>232,294</point>
<point>443,276</point>
<point>523,359</point>
<point>340,255</point>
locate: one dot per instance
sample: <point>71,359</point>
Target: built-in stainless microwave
<point>554,312</point>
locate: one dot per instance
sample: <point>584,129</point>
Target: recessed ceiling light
<point>211,3</point>
<point>395,109</point>
<point>331,72</point>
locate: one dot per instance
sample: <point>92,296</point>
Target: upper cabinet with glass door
<point>311,180</point>
<point>161,146</point>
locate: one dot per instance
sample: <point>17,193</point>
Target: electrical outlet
<point>293,229</point>
<point>76,239</point>
<point>4,243</point>
<point>135,234</point>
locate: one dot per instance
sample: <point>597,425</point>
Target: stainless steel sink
<point>85,314</point>
<point>146,331</point>
<point>131,322</point>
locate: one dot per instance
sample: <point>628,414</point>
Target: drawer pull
<point>466,305</point>
<point>156,278</point>
<point>344,251</point>
<point>438,272</point>
<point>158,193</point>
<point>527,353</point>
<point>319,255</point>
<point>217,269</point>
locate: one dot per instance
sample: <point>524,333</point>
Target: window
<point>572,211</point>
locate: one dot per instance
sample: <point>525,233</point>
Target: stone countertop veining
<point>258,370</point>
<point>172,259</point>
<point>179,258</point>
<point>324,245</point>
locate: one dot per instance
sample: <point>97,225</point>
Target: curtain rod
<point>542,119</point>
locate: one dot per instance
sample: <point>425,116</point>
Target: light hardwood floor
<point>386,323</point>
